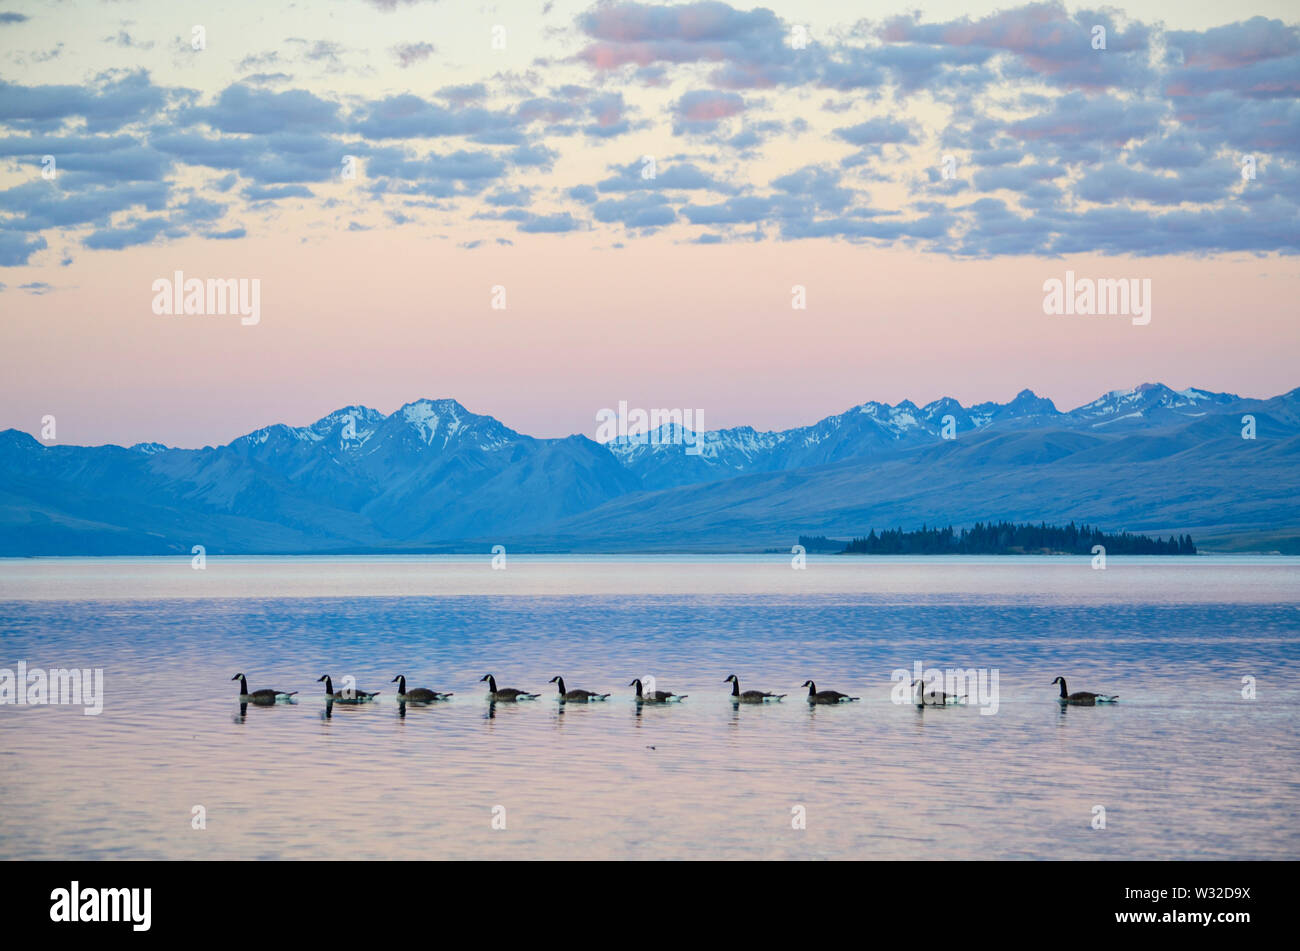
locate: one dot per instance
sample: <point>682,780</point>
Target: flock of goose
<point>423,695</point>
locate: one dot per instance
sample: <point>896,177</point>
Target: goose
<point>749,696</point>
<point>265,697</point>
<point>937,697</point>
<point>346,696</point>
<point>418,695</point>
<point>825,696</point>
<point>575,696</point>
<point>657,696</point>
<point>506,694</point>
<point>1083,698</point>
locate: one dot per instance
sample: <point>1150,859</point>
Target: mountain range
<point>434,476</point>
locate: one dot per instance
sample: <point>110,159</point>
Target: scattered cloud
<point>1058,146</point>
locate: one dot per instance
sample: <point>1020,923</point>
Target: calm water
<point>1184,766</point>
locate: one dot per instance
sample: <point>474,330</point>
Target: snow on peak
<point>445,420</point>
<point>903,416</point>
<point>432,418</point>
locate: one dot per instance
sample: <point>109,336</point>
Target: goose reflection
<point>244,704</point>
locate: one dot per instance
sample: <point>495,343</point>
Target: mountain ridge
<point>433,473</point>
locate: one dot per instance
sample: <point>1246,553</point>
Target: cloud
<point>140,231</point>
<point>1235,45</point>
<point>1079,127</point>
<point>243,108</point>
<point>1042,40</point>
<point>85,160</point>
<point>276,192</point>
<point>550,224</point>
<point>42,205</point>
<point>532,156</point>
<point>212,151</point>
<point>106,105</point>
<point>608,113</point>
<point>643,210</point>
<point>876,132</point>
<point>643,34</point>
<point>17,249</point>
<point>462,165</point>
<point>503,198</point>
<point>406,116</point>
<point>408,54</point>
<point>1258,59</point>
<point>1014,177</point>
<point>749,209</point>
<point>821,185</point>
<point>463,95</point>
<point>668,175</point>
<point>1113,181</point>
<point>752,48</point>
<point>1175,150</point>
<point>702,109</point>
<point>124,39</point>
<point>1055,141</point>
<point>388,6</point>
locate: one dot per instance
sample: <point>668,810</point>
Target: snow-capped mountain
<point>874,430</point>
<point>434,473</point>
<point>1149,404</point>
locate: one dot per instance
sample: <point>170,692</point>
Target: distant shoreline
<point>1002,538</point>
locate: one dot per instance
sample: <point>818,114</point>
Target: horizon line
<point>449,399</point>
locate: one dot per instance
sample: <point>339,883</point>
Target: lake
<point>1183,766</point>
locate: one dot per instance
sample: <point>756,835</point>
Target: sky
<point>644,186</point>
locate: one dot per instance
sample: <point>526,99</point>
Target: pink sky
<point>806,137</point>
<point>368,318</point>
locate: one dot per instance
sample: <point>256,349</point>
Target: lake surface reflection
<point>1183,765</point>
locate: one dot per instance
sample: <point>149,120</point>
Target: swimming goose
<point>825,696</point>
<point>418,695</point>
<point>575,696</point>
<point>345,696</point>
<point>506,694</point>
<point>937,697</point>
<point>1083,698</point>
<point>266,696</point>
<point>749,696</point>
<point>657,696</point>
